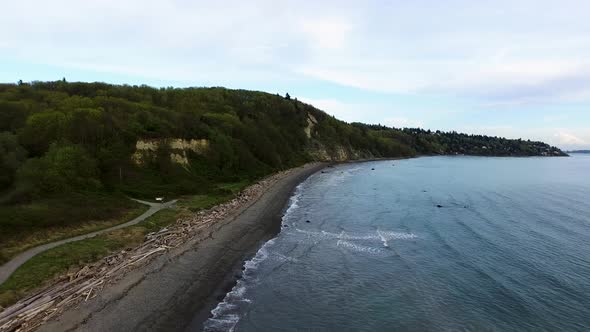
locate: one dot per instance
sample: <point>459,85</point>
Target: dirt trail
<point>8,269</point>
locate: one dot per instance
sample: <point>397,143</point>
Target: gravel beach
<point>177,290</point>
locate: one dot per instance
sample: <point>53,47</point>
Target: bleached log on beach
<point>148,254</point>
<point>65,300</point>
<point>35,311</point>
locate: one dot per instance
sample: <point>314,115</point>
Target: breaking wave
<point>358,247</point>
<point>383,236</point>
<point>225,316</point>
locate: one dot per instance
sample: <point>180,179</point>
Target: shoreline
<point>177,290</point>
<point>235,274</point>
<point>231,278</point>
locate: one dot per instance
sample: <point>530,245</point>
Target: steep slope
<point>141,140</point>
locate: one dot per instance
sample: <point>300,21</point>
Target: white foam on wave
<point>383,239</point>
<point>228,323</point>
<point>260,256</point>
<point>383,236</point>
<point>222,307</point>
<point>284,258</point>
<point>397,235</point>
<point>359,248</point>
<point>225,315</point>
<point>293,203</point>
<point>338,175</point>
<point>330,235</point>
<point>348,240</point>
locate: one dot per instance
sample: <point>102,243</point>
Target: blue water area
<point>426,244</point>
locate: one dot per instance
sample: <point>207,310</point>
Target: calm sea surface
<point>509,249</point>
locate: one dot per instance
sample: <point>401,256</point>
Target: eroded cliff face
<point>319,152</point>
<point>145,150</point>
<point>311,122</point>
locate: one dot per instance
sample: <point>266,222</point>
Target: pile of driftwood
<point>84,284</point>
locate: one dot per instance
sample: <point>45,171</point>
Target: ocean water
<point>508,250</point>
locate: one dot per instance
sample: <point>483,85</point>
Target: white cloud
<point>567,139</point>
<point>389,47</point>
<point>380,77</point>
<point>402,122</point>
<point>372,113</point>
<point>343,111</point>
<point>327,33</point>
<point>508,83</point>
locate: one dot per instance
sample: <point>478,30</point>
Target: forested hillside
<point>58,136</point>
<point>65,142</point>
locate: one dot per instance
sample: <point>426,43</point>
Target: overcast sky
<point>507,68</point>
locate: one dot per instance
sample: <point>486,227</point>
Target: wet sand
<point>178,290</point>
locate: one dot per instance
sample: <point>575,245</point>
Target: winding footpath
<point>7,269</point>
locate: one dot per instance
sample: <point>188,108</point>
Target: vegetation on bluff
<point>69,150</point>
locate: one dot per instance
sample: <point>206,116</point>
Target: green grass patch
<point>200,202</point>
<point>27,226</point>
<point>234,187</point>
<point>223,192</point>
<point>159,220</point>
<point>42,268</point>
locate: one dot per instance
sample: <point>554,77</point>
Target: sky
<point>518,69</point>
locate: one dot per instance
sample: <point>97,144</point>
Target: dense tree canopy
<point>63,168</point>
<point>12,155</point>
<point>81,137</point>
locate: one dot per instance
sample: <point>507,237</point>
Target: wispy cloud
<point>402,122</point>
<point>496,53</point>
<point>502,55</point>
<point>327,33</point>
<point>343,111</point>
<point>567,139</point>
